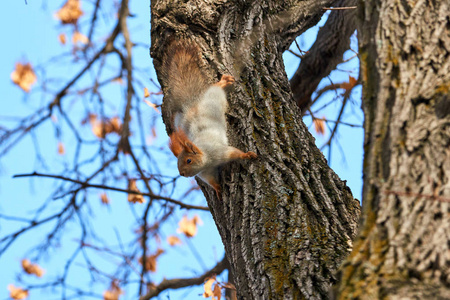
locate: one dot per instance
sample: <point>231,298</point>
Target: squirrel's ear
<point>191,148</point>
<point>175,145</point>
<point>179,142</point>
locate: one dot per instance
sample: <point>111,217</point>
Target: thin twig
<point>333,132</point>
<point>105,187</point>
<point>296,54</point>
<point>340,122</point>
<point>340,8</point>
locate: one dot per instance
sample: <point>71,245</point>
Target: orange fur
<point>211,180</point>
<point>238,154</point>
<point>179,142</point>
<point>225,81</point>
<point>174,144</point>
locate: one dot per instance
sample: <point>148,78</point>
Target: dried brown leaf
<point>110,295</point>
<point>146,92</point>
<point>102,128</point>
<point>319,126</point>
<point>98,130</point>
<point>90,118</point>
<point>133,198</point>
<point>173,240</point>
<point>150,261</point>
<point>62,38</point>
<point>217,292</point>
<point>113,293</point>
<point>24,76</point>
<point>30,268</point>
<point>17,293</point>
<point>61,149</point>
<point>116,125</point>
<point>348,86</point>
<point>189,227</point>
<point>78,37</point>
<point>208,287</point>
<point>104,198</point>
<point>70,12</point>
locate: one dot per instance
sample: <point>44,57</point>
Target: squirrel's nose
<point>181,173</point>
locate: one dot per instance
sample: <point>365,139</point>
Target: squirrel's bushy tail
<point>185,81</point>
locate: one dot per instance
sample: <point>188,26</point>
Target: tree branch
<point>184,282</point>
<point>296,19</point>
<point>84,184</point>
<point>340,8</point>
<point>332,41</point>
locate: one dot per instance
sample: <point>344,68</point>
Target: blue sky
<point>30,32</point>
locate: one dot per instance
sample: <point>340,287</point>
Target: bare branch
<point>338,120</point>
<point>332,41</point>
<point>184,282</point>
<point>85,184</point>
<point>295,20</point>
<point>340,8</point>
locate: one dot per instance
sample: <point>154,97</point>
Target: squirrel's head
<point>190,157</point>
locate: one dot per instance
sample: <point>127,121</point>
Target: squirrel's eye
<point>188,161</point>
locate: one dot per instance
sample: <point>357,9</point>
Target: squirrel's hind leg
<point>210,177</point>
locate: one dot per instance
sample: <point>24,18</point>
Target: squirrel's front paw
<point>225,81</point>
<point>249,155</point>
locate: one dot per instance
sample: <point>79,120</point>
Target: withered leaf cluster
<point>216,292</point>
<point>113,293</point>
<point>70,12</point>
<point>319,126</point>
<point>173,240</point>
<point>17,293</point>
<point>101,128</point>
<point>24,76</point>
<point>30,268</point>
<point>134,198</point>
<point>150,261</point>
<point>189,226</point>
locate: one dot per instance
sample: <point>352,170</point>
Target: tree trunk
<point>403,251</point>
<point>286,219</point>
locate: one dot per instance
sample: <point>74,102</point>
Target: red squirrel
<point>199,138</point>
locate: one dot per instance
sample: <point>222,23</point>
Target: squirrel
<point>198,129</point>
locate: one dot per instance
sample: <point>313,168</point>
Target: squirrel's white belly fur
<point>205,124</point>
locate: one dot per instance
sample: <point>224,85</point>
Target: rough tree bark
<point>286,219</point>
<point>403,251</point>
